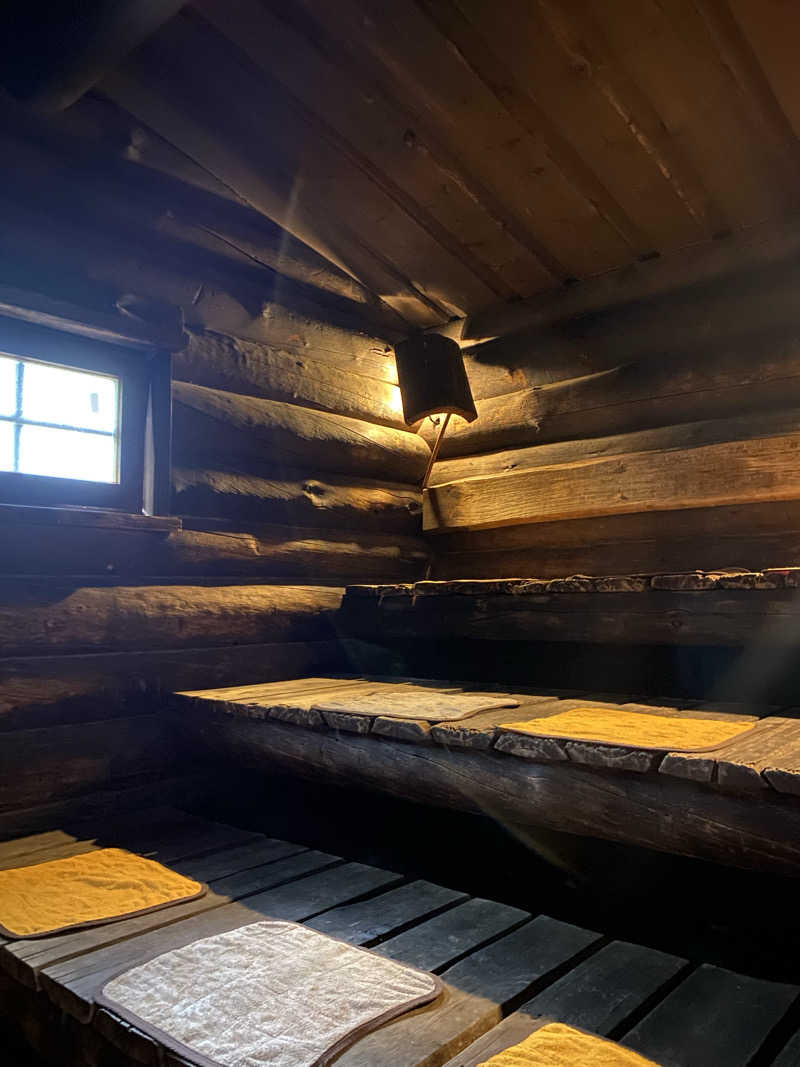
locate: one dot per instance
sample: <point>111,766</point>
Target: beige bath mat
<point>271,992</point>
<point>431,707</point>
<point>633,729</point>
<point>86,890</point>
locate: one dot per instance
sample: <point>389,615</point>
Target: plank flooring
<point>505,970</point>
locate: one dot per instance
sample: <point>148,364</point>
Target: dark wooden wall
<point>293,473</point>
<point>649,423</point>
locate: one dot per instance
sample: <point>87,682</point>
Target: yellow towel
<point>557,1045</point>
<point>85,890</point>
<point>633,729</point>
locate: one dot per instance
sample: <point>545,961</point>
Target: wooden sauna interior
<point>248,204</point>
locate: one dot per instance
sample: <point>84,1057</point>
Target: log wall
<point>619,434</point>
<point>293,472</point>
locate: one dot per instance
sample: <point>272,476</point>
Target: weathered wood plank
<point>38,690</point>
<point>372,920</point>
<point>480,731</point>
<point>40,765</point>
<point>597,995</point>
<point>714,1017</point>
<point>476,991</point>
<point>768,755</point>
<point>296,498</point>
<point>240,366</point>
<point>45,616</point>
<point>668,436</point>
<point>328,556</point>
<point>156,196</point>
<point>714,617</point>
<point>760,833</point>
<point>754,535</point>
<point>630,398</point>
<point>754,249</point>
<point>440,941</point>
<point>736,472</point>
<point>213,424</point>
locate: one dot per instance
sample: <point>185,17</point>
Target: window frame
<point>144,425</point>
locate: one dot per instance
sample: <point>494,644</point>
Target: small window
<point>58,421</point>
<point>77,420</point>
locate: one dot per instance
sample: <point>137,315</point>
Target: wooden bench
<point>743,796</point>
<point>504,969</point>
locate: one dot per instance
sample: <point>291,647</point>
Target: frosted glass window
<point>8,385</point>
<point>6,446</point>
<point>58,422</point>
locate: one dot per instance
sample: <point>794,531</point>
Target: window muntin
<point>59,422</point>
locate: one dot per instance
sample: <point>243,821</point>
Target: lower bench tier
<point>737,804</point>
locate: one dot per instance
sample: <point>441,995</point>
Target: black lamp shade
<point>432,378</point>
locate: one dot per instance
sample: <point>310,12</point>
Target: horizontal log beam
<point>757,249</point>
<point>239,366</point>
<point>262,433</point>
<point>331,557</point>
<point>668,438</point>
<point>763,376</point>
<point>110,167</point>
<point>732,473</point>
<point>292,497</point>
<point>45,615</point>
<point>38,691</point>
<point>38,766</point>
<point>760,833</point>
<point>71,252</point>
<point>651,617</point>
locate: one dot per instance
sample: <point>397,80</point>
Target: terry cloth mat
<point>96,887</point>
<point>557,1045</point>
<point>633,729</point>
<point>430,706</point>
<point>271,992</point>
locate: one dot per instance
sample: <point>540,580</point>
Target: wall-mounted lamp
<point>433,381</point>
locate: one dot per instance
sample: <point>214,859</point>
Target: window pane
<point>8,385</point>
<point>6,446</point>
<point>67,454</point>
<point>69,397</point>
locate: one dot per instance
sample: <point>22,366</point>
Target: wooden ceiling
<point>452,155</point>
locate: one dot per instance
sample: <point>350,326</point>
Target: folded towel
<point>633,729</point>
<point>422,704</point>
<point>270,992</point>
<point>95,887</point>
<point>557,1045</point>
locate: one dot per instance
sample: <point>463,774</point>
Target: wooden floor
<point>504,969</point>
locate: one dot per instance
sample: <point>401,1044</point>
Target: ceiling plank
<point>479,57</point>
<point>670,54</point>
<point>772,30</point>
<point>583,40</point>
<point>89,163</point>
<point>189,133</point>
<point>277,138</point>
<point>740,58</point>
<point>564,89</point>
<point>156,87</point>
<point>358,128</point>
<point>339,79</point>
<point>413,62</point>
